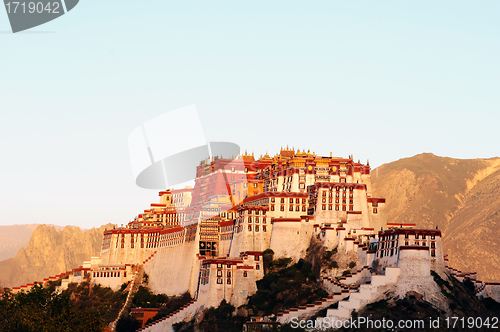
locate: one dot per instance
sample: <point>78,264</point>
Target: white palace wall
<point>414,262</point>
<point>173,269</point>
<point>291,237</point>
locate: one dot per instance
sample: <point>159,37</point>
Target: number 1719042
<point>471,322</point>
<point>32,7</point>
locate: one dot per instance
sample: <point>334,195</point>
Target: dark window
<point>245,274</point>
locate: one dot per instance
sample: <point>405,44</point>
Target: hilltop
<point>460,196</point>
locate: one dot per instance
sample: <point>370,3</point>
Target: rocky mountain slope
<point>13,238</point>
<point>460,196</point>
<point>50,252</point>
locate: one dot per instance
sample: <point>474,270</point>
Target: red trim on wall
<point>414,248</point>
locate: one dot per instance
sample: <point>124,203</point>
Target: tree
<point>268,256</point>
<point>127,324</point>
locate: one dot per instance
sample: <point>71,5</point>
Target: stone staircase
<point>309,310</point>
<point>351,281</point>
<point>136,282</point>
<point>166,323</point>
<point>338,290</point>
<point>367,293</point>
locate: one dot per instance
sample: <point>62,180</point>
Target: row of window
<point>344,201</point>
<point>109,274</point>
<point>337,207</point>
<point>337,194</point>
<point>264,228</point>
<point>256,212</point>
<point>290,208</point>
<point>417,236</point>
<point>290,200</point>
<point>257,219</point>
<point>424,244</point>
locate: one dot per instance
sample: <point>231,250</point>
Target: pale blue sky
<point>381,80</point>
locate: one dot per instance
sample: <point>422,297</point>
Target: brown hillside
<point>460,196</point>
<point>50,252</point>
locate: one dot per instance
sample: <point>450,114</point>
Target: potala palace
<point>209,240</point>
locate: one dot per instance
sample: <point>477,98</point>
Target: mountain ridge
<point>50,252</point>
<point>460,196</point>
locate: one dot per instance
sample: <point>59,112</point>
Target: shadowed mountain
<point>460,196</point>
<point>50,252</point>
